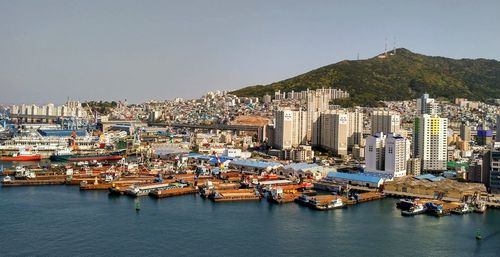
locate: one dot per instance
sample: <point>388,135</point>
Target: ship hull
<point>81,158</point>
<point>21,158</point>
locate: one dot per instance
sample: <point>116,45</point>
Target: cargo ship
<point>22,156</point>
<point>67,156</point>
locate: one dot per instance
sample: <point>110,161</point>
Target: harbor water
<point>63,221</point>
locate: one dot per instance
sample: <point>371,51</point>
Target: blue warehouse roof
<point>254,163</point>
<point>429,177</point>
<point>354,177</point>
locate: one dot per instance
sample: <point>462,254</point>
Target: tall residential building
<point>426,105</point>
<point>465,132</point>
<point>375,152</point>
<point>333,130</point>
<point>430,145</point>
<point>317,102</point>
<point>355,132</point>
<point>387,154</point>
<point>386,122</point>
<point>290,129</point>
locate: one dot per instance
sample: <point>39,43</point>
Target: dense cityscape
<point>250,128</point>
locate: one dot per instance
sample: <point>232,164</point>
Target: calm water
<point>62,221</point>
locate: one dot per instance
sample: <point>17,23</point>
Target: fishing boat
<point>405,204</point>
<point>22,155</point>
<point>436,209</point>
<point>303,200</point>
<point>414,210</point>
<point>465,208</point>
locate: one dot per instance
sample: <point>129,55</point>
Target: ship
<point>22,155</point>
<point>68,156</point>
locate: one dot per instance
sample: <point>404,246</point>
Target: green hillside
<point>402,76</point>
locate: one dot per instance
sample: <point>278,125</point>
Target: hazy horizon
<point>139,51</point>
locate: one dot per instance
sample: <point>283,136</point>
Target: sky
<point>142,50</point>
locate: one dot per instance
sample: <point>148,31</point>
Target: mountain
<point>400,76</point>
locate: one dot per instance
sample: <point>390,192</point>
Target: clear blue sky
<point>139,50</point>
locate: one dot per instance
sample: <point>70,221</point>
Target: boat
<point>304,200</point>
<point>335,204</point>
<point>143,190</point>
<point>414,210</point>
<point>22,155</point>
<point>436,209</point>
<point>7,179</point>
<point>67,156</point>
<point>465,208</point>
<point>478,235</point>
<point>405,204</point>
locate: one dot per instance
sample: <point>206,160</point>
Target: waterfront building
<point>386,122</point>
<point>290,129</point>
<point>387,154</point>
<point>430,142</point>
<point>413,167</point>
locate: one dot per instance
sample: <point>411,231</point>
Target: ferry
<point>22,155</point>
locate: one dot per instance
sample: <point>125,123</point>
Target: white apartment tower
<point>386,122</point>
<point>290,129</point>
<point>387,154</point>
<point>430,145</point>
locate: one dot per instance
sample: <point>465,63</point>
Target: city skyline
<point>52,50</point>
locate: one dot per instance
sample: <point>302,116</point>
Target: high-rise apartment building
<point>333,129</point>
<point>386,122</point>
<point>387,154</point>
<point>290,129</point>
<point>355,126</point>
<point>430,144</point>
<point>426,105</point>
